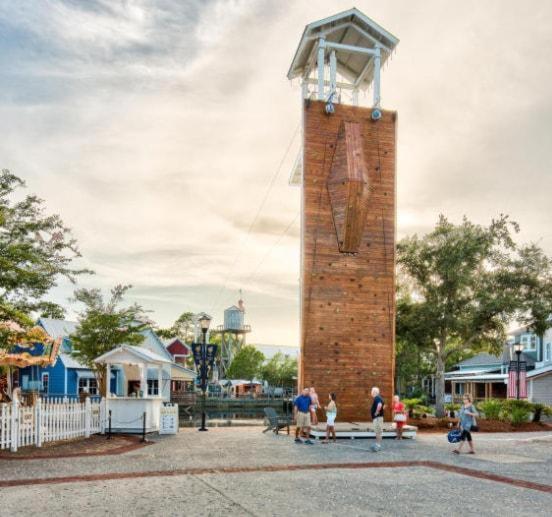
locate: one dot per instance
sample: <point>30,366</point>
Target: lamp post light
<point>204,358</point>
<point>518,348</point>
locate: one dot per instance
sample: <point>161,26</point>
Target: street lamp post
<point>518,348</point>
<point>204,358</point>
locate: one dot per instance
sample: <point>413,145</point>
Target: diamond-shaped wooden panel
<point>348,187</point>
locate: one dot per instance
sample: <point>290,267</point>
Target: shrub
<point>452,408</point>
<point>422,411</point>
<point>491,409</point>
<point>539,410</point>
<point>410,404</point>
<point>519,414</point>
<point>547,411</point>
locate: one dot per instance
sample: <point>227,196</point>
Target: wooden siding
<point>542,389</point>
<point>348,300</point>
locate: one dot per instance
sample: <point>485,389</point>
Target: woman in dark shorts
<point>466,420</point>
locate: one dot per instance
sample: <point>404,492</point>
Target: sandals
<point>455,451</point>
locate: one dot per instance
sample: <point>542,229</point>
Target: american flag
<point>512,380</point>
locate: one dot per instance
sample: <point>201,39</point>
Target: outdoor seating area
<point>353,430</point>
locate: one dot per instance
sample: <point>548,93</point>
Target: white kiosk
<point>140,394</point>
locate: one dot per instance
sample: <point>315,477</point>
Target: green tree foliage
<point>246,363</point>
<point>103,326</point>
<point>533,271</point>
<point>35,250</point>
<point>462,290</point>
<point>182,328</point>
<point>279,371</point>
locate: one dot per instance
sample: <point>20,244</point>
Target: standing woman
<point>331,413</point>
<point>314,406</point>
<point>399,416</point>
<point>466,420</point>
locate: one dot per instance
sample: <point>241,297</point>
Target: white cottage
<point>142,397</point>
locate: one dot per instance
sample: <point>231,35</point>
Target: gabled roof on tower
<point>350,28</point>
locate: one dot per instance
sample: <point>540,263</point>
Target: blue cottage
<point>68,377</point>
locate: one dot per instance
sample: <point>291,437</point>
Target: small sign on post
<point>169,419</point>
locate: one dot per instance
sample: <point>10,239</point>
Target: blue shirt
<point>302,403</point>
<point>467,421</point>
<point>374,411</point>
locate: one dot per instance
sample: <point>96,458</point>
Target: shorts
<point>378,425</point>
<point>466,435</point>
<point>303,419</point>
<point>330,419</point>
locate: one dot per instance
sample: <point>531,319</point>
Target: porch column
<point>159,379</point>
<point>143,380</point>
<point>108,380</point>
<point>490,390</point>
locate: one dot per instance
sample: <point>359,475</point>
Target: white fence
<point>48,421</point>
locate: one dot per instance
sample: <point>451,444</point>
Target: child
<point>314,406</point>
<point>399,416</point>
<point>331,413</point>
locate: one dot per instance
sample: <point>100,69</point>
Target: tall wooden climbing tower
<point>347,175</point>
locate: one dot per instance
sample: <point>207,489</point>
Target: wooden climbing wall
<point>348,299</point>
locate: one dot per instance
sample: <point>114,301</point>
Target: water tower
<point>346,171</point>
<point>233,334</point>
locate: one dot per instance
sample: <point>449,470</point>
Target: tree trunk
<point>101,379</point>
<point>9,387</point>
<point>440,386</point>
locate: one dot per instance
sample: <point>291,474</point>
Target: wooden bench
<point>275,422</point>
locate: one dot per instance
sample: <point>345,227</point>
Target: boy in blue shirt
<point>301,408</point>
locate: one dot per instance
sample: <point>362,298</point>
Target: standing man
<point>377,417</point>
<point>301,408</point>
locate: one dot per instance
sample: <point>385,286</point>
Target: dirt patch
<point>96,445</point>
<point>432,424</point>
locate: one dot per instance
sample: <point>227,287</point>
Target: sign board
<point>168,423</point>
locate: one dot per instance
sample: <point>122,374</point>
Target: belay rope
<point>318,215</point>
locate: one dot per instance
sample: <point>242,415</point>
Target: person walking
<point>301,409</point>
<point>314,406</point>
<point>331,413</point>
<point>377,417</point>
<point>399,416</point>
<point>466,421</point>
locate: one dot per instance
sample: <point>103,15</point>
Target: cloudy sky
<point>163,133</point>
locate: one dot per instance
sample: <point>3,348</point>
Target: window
<point>153,387</point>
<point>88,386</point>
<point>548,352</point>
<point>45,382</point>
<point>459,388</point>
<point>529,341</point>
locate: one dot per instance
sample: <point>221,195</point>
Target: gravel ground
<point>381,491</point>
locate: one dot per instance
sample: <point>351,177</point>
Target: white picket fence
<point>49,421</point>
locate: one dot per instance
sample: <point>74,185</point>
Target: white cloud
<point>154,128</point>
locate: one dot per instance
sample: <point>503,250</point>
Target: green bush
<point>452,407</point>
<point>519,415</point>
<point>410,404</point>
<point>422,411</point>
<point>516,411</point>
<point>547,411</point>
<point>539,409</point>
<point>491,409</point>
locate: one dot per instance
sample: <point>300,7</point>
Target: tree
<point>246,363</point>
<point>182,328</point>
<point>279,371</point>
<point>35,250</point>
<point>533,271</point>
<point>103,326</point>
<point>463,290</point>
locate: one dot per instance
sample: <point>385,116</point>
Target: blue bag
<point>454,436</point>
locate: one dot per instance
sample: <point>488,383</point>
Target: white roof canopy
<point>354,37</point>
<point>126,354</point>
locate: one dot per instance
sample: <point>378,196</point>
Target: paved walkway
<point>240,471</point>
